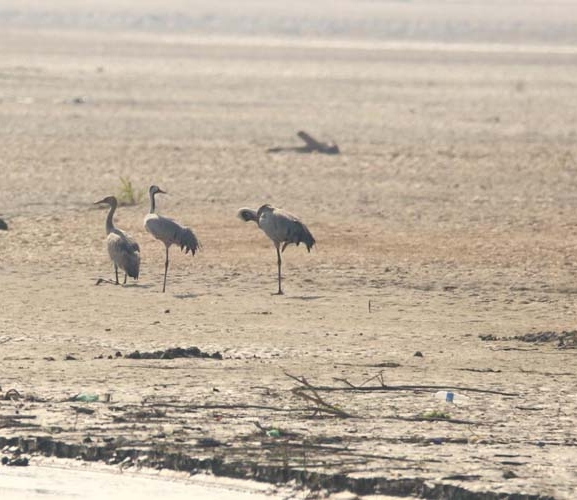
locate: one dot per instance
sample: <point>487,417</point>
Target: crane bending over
<point>281,227</point>
<point>169,231</point>
<point>123,250</point>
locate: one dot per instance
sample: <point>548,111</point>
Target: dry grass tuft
<point>128,195</point>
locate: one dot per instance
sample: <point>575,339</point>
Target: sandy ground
<point>65,479</point>
<point>451,210</point>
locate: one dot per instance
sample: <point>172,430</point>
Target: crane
<point>168,231</point>
<point>281,227</point>
<point>122,248</point>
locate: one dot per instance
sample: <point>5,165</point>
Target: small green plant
<point>128,195</point>
<point>275,433</point>
<point>436,415</point>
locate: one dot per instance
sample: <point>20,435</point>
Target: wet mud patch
<point>126,457</point>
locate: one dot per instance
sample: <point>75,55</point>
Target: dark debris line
<point>251,470</point>
<point>564,339</point>
<point>175,352</point>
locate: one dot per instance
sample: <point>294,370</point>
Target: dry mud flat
<point>451,210</point>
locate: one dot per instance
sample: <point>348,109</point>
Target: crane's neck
<point>109,222</point>
<point>152,203</point>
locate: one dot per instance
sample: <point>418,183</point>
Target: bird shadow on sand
<point>104,281</point>
<point>189,295</point>
<point>138,285</point>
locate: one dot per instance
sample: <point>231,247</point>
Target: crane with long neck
<point>122,248</point>
<point>168,231</point>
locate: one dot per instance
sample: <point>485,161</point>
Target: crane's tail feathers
<point>298,234</point>
<point>189,242</point>
<point>132,265</point>
<point>310,242</point>
<point>307,238</point>
<point>247,215</point>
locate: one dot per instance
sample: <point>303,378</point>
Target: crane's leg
<point>279,262</point>
<point>125,278</point>
<point>165,271</point>
<point>116,272</point>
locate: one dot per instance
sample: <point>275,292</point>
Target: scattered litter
<point>277,432</point>
<point>86,397</point>
<point>452,397</point>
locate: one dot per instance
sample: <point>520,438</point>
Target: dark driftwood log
<point>311,146</point>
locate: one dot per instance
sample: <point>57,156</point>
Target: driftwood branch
<point>431,419</point>
<point>344,381</point>
<point>239,406</point>
<point>388,388</point>
<point>311,146</point>
<point>320,405</point>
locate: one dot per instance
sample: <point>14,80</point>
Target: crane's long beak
<point>161,191</point>
<point>99,202</point>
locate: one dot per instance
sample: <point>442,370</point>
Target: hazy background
<point>509,21</point>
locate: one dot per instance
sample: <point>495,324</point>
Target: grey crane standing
<point>169,231</point>
<point>123,250</point>
<point>281,227</point>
